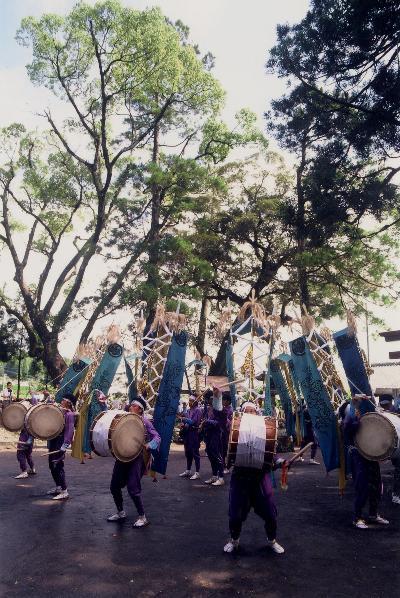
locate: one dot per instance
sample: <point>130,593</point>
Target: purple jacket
<point>151,432</point>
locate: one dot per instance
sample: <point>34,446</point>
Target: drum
<point>252,441</point>
<point>13,415</point>
<point>378,437</point>
<point>118,434</point>
<point>45,421</point>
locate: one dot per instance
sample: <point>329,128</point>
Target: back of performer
<point>59,445</point>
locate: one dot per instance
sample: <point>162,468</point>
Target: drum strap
<point>251,442</point>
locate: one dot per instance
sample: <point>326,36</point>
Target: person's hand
<point>64,447</point>
<point>152,445</point>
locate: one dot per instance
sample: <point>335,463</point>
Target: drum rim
<point>119,415</point>
<point>122,416</point>
<point>14,404</point>
<point>230,454</point>
<point>35,407</point>
<point>390,451</point>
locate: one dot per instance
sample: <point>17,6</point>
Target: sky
<point>239,35</point>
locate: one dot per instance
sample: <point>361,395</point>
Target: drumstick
<point>54,452</point>
<point>223,386</point>
<point>287,464</point>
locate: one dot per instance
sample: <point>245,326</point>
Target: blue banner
<point>71,378</point>
<point>284,395</point>
<point>107,368</point>
<point>322,415</point>
<point>167,402</point>
<point>231,372</point>
<point>353,363</point>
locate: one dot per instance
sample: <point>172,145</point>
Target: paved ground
<point>62,550</point>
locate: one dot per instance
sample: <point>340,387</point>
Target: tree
<point>126,77</point>
<point>346,53</point>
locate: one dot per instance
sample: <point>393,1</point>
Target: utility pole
<point>19,364</point>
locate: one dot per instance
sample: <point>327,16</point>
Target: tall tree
<point>124,76</point>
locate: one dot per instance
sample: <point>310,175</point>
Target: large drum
<point>13,415</point>
<point>45,421</point>
<point>252,441</point>
<point>378,437</point>
<point>116,433</point>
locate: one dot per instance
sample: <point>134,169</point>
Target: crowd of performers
<point>210,422</point>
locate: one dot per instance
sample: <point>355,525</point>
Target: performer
<point>59,445</point>
<point>309,436</point>
<point>386,402</point>
<point>252,488</point>
<point>24,454</point>
<point>227,407</point>
<point>213,425</point>
<point>97,405</point>
<point>191,439</point>
<point>130,474</point>
<point>366,474</point>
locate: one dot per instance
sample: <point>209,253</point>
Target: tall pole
<point>367,328</point>
<point>19,364</point>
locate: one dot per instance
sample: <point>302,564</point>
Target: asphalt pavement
<point>48,548</point>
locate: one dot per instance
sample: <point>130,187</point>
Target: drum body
<point>378,437</point>
<point>45,421</point>
<point>13,415</point>
<point>252,441</point>
<point>116,433</point>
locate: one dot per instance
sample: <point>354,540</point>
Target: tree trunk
<point>53,360</point>
<point>218,367</point>
<point>202,329</point>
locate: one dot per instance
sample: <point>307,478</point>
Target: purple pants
<point>214,453</point>
<point>251,489</point>
<point>129,475</point>
<point>24,457</point>
<point>367,483</point>
<point>57,471</point>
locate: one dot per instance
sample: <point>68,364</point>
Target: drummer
<point>191,422</point>
<point>58,446</point>
<point>214,425</point>
<point>227,408</point>
<point>8,392</point>
<point>366,474</point>
<point>252,488</point>
<point>24,452</point>
<point>386,402</point>
<point>130,474</point>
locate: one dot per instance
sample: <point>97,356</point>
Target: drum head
<point>45,421</point>
<point>376,438</point>
<point>127,437</point>
<point>13,416</point>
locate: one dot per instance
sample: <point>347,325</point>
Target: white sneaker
<point>275,547</point>
<point>396,499</point>
<point>195,476</point>
<point>211,480</point>
<point>31,471</point>
<point>120,516</point>
<point>231,546</point>
<point>378,519</point>
<point>185,474</point>
<point>218,482</point>
<point>360,524</point>
<point>313,462</point>
<point>54,491</point>
<point>226,471</point>
<point>300,459</point>
<point>141,521</point>
<point>62,496</point>
<point>21,476</point>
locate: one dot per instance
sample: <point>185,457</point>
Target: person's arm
<point>152,436</point>
<point>69,428</point>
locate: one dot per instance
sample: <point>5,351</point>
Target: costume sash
<point>353,363</point>
<point>319,406</point>
<point>283,391</point>
<point>167,401</point>
<point>107,368</point>
<point>230,371</point>
<point>71,378</point>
